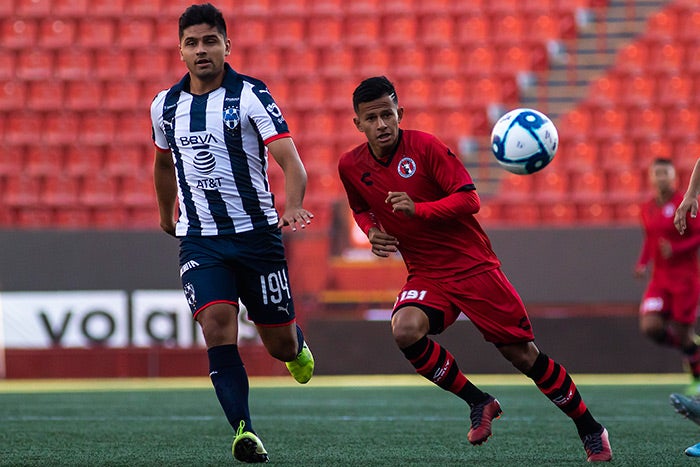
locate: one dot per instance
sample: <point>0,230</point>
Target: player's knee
<point>653,332</point>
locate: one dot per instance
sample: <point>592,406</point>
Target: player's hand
<point>295,217</point>
<point>168,226</point>
<point>383,244</point>
<point>401,202</point>
<point>679,219</point>
<point>665,248</point>
<point>640,271</point>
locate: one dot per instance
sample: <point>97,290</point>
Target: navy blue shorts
<point>250,267</point>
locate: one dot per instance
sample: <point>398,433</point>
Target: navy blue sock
<point>300,339</point>
<point>230,381</point>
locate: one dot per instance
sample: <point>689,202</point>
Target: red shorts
<point>488,299</point>
<point>677,299</point>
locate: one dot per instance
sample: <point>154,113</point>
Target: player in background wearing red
<point>410,194</point>
<point>669,305</point>
<point>684,216</point>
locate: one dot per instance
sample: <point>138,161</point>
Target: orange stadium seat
<point>71,66</point>
<point>415,94</point>
<point>666,58</point>
<point>339,92</point>
<point>146,64</point>
<point>251,32</point>
<point>501,7</point>
<point>661,26</point>
<point>13,95</point>
<point>604,91</point>
<point>624,184</point>
<point>361,7</point>
<point>632,58</point>
<point>449,94</point>
<point>97,33</point>
<point>69,8</point>
<point>326,7</point>
<point>299,61</point>
<point>57,33</point>
<point>485,91</point>
<point>638,91</point>
<point>126,159</point>
<point>611,122</point>
<point>688,26</point>
<point>19,33</point>
<point>579,154</point>
<point>514,59</point>
<point>45,95</point>
<point>443,62</point>
<point>32,8</point>
<point>35,65</point>
<point>144,9</point>
<point>682,122</point>
<point>262,62</point>
<point>507,30</point>
<point>558,213</point>
<point>587,185</point>
<point>553,185</point>
<point>577,121</point>
<point>645,122</point>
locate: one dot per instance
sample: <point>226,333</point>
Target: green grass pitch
<point>378,421</point>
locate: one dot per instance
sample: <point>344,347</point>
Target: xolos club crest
<point>406,167</point>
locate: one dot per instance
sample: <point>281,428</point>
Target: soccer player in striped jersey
<point>410,194</point>
<point>668,309</point>
<point>212,131</point>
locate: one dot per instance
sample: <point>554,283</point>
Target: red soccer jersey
<point>433,246</point>
<point>658,224</point>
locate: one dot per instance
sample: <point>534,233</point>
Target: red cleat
<point>597,446</point>
<point>481,416</point>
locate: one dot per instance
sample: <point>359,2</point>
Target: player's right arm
<point>166,189</point>
<point>690,201</point>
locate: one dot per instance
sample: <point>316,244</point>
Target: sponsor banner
<point>144,318</point>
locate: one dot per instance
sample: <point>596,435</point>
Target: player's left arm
<point>285,154</point>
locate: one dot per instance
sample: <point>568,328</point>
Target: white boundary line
<point>159,384</point>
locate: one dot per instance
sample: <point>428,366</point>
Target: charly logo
<point>406,167</point>
<point>204,162</point>
<point>231,117</point>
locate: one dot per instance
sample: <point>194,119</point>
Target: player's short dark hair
<point>662,161</point>
<point>373,88</point>
<point>202,14</point>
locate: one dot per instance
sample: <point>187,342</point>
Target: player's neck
<point>664,196</point>
<point>199,87</point>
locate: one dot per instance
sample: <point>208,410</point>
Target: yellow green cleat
<point>302,367</point>
<point>247,447</point>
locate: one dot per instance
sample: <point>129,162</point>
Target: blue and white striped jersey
<point>218,143</point>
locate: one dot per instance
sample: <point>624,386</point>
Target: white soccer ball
<point>524,141</point>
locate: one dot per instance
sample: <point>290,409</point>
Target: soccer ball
<point>524,141</point>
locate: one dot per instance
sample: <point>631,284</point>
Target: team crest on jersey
<point>669,210</point>
<point>406,167</point>
<point>231,117</point>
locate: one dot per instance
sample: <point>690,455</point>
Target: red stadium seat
<point>666,58</point>
<point>71,66</point>
<point>21,190</point>
<point>587,185</point>
<point>408,61</point>
<point>325,30</point>
<point>624,184</point>
<point>122,95</point>
<point>263,62</point>
<point>632,58</point>
<point>553,185</point>
<point>507,30</point>
<point>97,33</point>
<point>415,94</point>
<point>125,160</point>
<point>135,33</point>
<point>60,128</point>
<point>661,26</point>
<point>107,8</point>
<point>36,65</point>
<point>144,64</point>
<point>144,9</point>
<point>542,28</point>
<point>60,190</point>
<point>611,123</point>
<point>20,127</point>
<point>83,159</point>
<point>7,65</point>
<point>618,154</point>
<point>99,190</point>
<point>472,30</point>
<point>485,91</point>
<point>72,217</point>
<point>13,95</point>
<point>604,91</point>
<point>69,8</point>
<point>336,61</point>
<point>251,32</point>
<point>32,8</point>
<point>480,61</point>
<point>45,95</point>
<point>399,29</point>
<point>579,155</point>
<point>645,122</point>
<point>83,95</point>
<point>436,29</point>
<point>449,94</point>
<point>682,123</point>
<point>371,61</point>
<point>326,7</point>
<point>674,90</point>
<point>286,31</point>
<point>443,62</point>
<point>18,34</point>
<point>299,61</point>
<point>112,64</point>
<point>137,189</point>
<point>97,128</point>
<point>362,30</point>
<point>688,26</point>
<point>12,160</point>
<point>362,7</point>
<point>57,33</point>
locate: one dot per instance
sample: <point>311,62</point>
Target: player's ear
<point>399,114</point>
<point>356,121</point>
<point>228,46</point>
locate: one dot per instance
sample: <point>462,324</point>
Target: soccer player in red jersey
<point>410,194</point>
<point>669,306</point>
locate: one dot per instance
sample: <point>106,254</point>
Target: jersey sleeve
<point>264,113</point>
<point>157,133</point>
<point>448,170</point>
<point>361,210</point>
